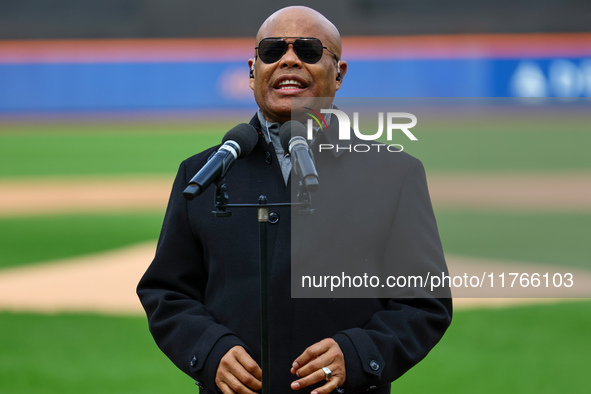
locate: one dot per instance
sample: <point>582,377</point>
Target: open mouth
<point>290,84</point>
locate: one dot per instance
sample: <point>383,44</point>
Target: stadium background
<point>107,94</point>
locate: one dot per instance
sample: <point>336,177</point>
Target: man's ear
<point>341,71</point>
<point>251,73</point>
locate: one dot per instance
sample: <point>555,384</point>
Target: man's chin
<point>279,111</point>
<point>278,115</point>
<point>292,107</point>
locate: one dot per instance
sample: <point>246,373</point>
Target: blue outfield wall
<point>64,86</point>
<point>554,77</point>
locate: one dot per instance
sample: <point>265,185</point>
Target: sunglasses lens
<point>309,50</point>
<point>271,50</point>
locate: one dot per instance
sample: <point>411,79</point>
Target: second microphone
<point>292,135</point>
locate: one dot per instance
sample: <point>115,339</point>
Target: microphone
<point>292,135</point>
<point>236,144</point>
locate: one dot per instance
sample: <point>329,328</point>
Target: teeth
<point>290,82</point>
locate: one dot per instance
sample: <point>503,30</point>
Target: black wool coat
<point>201,292</point>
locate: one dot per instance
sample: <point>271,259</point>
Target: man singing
<point>201,292</point>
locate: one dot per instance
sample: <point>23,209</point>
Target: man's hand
<point>238,373</point>
<point>308,366</point>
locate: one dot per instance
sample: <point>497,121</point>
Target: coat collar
<point>330,136</point>
<point>262,143</point>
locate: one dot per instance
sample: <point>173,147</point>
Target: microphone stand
<point>221,205</point>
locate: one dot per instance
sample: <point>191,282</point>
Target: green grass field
<point>533,349</point>
<point>62,236</point>
<point>553,238</point>
<point>41,154</point>
<point>46,354</point>
<point>122,149</point>
<point>560,239</point>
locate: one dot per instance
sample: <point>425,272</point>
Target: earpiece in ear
<point>339,72</point>
<point>251,74</point>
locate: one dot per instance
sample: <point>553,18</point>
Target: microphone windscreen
<point>245,136</point>
<point>291,129</point>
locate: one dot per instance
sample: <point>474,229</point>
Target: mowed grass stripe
<point>39,154</point>
<point>559,239</point>
<point>552,238</point>
<point>541,349</point>
<point>467,146</point>
<point>530,349</point>
<point>47,354</point>
<point>25,240</point>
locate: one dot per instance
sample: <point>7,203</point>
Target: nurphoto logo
<point>392,123</point>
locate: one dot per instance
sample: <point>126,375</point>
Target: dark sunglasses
<point>308,49</point>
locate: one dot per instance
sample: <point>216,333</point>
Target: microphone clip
<point>304,198</point>
<point>221,199</point>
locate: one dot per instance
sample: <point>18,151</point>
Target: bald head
<point>300,21</point>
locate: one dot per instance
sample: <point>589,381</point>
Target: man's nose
<point>290,58</point>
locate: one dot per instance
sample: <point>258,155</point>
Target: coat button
<point>373,364</point>
<point>273,217</point>
<point>193,361</point>
<point>268,158</point>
